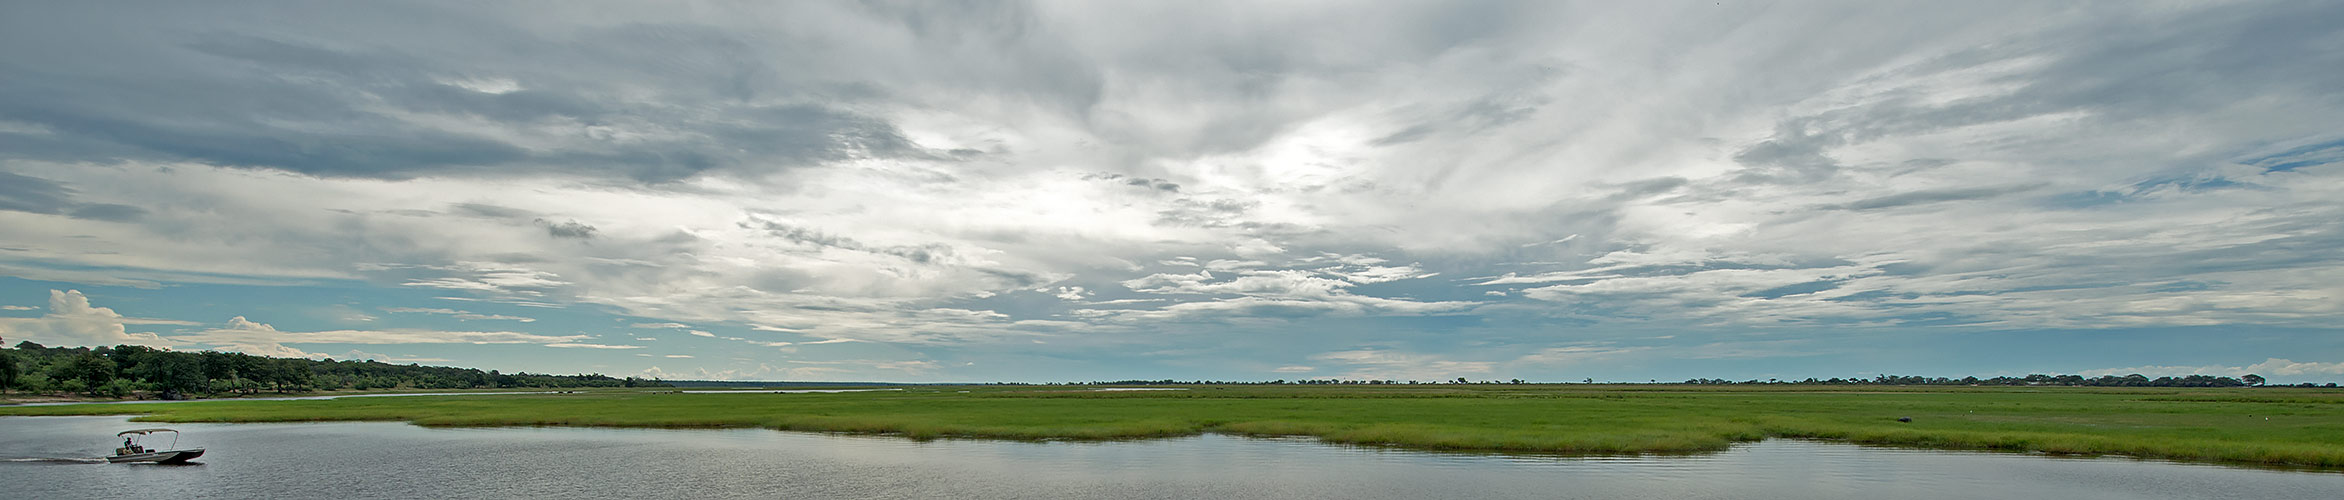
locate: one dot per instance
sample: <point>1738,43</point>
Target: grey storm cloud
<point>932,253</point>
<point>568,229</point>
<point>342,95</point>
<point>1143,182</point>
<point>23,193</point>
<point>2143,68</point>
<point>32,194</point>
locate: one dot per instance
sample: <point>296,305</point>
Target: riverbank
<point>2274,426</point>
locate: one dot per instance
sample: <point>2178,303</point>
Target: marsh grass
<point>2294,427</point>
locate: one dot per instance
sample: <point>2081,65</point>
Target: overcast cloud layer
<point>1248,190</point>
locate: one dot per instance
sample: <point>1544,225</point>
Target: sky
<point>1074,191</point>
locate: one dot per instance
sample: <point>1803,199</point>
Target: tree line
<point>2133,380</point>
<point>139,371</point>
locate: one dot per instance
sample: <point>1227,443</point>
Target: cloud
<point>837,370</point>
<point>2273,368</point>
<point>248,336</point>
<point>458,314</point>
<point>29,194</point>
<point>391,112</point>
<point>876,173</point>
<point>1368,364</point>
<point>568,229</point>
<point>355,354</point>
<point>1366,275</point>
<point>571,345</point>
<point>1926,197</point>
<point>72,321</point>
<point>32,194</point>
<point>1280,293</point>
<point>1574,354</point>
<point>501,281</point>
<point>914,367</point>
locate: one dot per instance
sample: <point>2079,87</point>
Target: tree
<point>7,371</point>
<point>89,368</point>
<point>218,365</point>
<point>2252,379</point>
<point>174,373</point>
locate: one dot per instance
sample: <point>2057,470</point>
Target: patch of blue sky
<point>2185,286</point>
<point>1878,298</point>
<point>2085,199</point>
<point>2192,183</point>
<point>2324,153</point>
<point>1793,289</point>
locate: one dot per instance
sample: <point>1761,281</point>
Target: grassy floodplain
<point>2273,426</point>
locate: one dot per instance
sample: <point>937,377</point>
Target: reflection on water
<point>386,460</point>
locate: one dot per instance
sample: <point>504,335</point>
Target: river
<point>47,457</point>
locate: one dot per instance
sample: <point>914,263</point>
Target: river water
<point>47,457</point>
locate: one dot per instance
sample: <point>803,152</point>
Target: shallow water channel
<point>47,457</point>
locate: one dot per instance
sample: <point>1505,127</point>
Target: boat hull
<point>160,457</point>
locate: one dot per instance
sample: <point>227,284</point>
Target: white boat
<point>131,451</point>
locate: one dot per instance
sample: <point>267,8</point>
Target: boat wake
<point>55,460</point>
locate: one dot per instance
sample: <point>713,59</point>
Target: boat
<point>132,452</point>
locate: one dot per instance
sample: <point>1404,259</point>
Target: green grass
<point>2276,426</point>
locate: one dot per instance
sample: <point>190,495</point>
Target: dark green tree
<point>2252,379</point>
<point>176,374</point>
<point>8,371</point>
<point>92,369</point>
<point>218,365</point>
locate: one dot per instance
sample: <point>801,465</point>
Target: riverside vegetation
<point>130,371</point>
<point>2275,426</point>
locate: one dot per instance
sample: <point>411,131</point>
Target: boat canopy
<point>143,431</point>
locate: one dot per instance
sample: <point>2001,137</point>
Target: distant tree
<point>218,365</point>
<point>117,388</point>
<point>176,374</point>
<point>2252,379</point>
<point>7,371</point>
<point>90,369</point>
